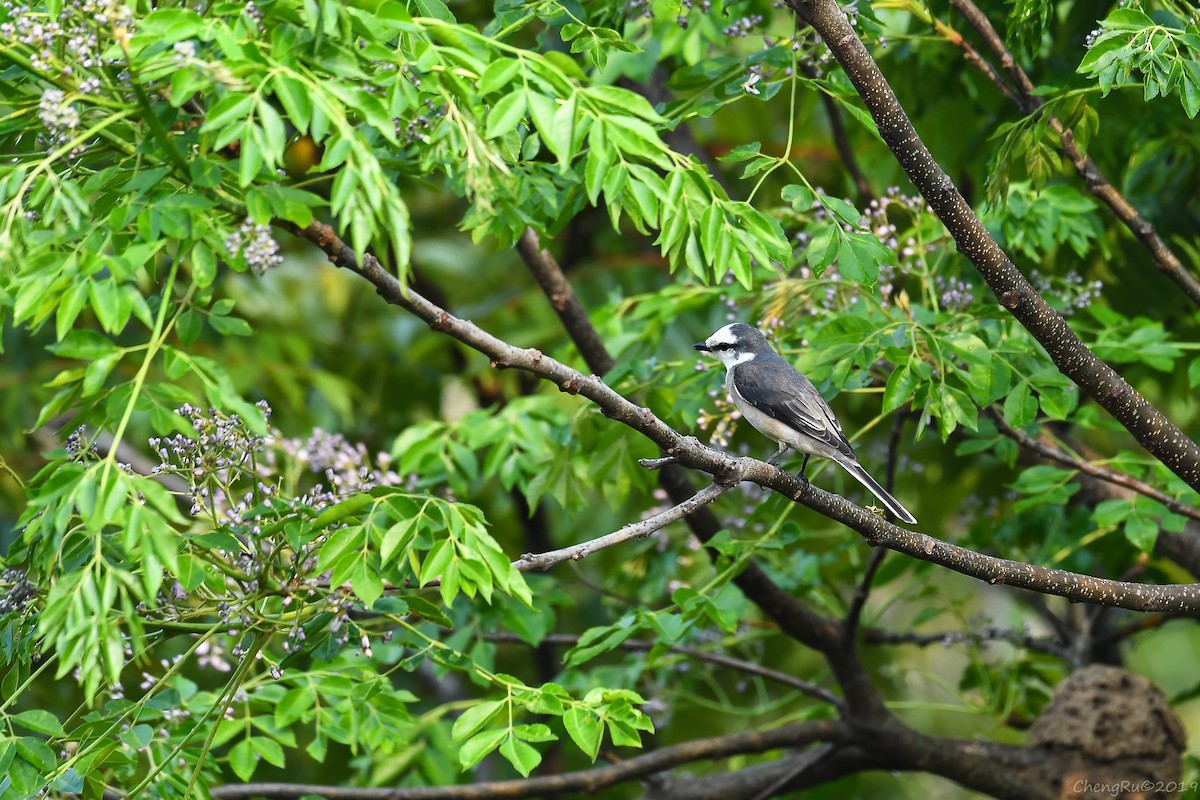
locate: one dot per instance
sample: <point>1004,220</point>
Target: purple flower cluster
<point>58,115</point>
<point>79,448</point>
<point>347,468</point>
<point>953,293</point>
<point>639,8</point>
<point>1067,294</point>
<point>236,480</point>
<point>256,245</point>
<point>220,451</point>
<point>83,28</point>
<point>742,26</point>
<point>20,591</point>
<point>417,129</point>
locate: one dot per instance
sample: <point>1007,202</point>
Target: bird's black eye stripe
<point>722,346</point>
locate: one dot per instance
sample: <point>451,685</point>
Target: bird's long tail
<point>889,502</point>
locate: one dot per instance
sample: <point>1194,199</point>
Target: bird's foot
<point>803,467</point>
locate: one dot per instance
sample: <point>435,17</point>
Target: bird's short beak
<point>701,346</point>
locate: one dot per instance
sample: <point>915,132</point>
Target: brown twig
<point>540,562</point>
<point>636,645</point>
<point>973,57</point>
<point>841,141</point>
<point>591,780</point>
<point>636,530</point>
<point>1182,547</point>
<point>1047,451</point>
<point>789,773</point>
<point>798,766</point>
<point>1146,622</point>
<point>1149,426</point>
<point>1093,177</point>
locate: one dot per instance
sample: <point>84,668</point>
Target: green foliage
<point>1037,223</point>
<point>201,585</point>
<point>1029,147</point>
<point>1028,21</point>
<point>1130,46</point>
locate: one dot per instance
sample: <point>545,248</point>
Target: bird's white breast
<point>769,426</point>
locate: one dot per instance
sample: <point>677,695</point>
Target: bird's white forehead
<point>724,336</point>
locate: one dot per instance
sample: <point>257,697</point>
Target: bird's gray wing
<point>780,391</point>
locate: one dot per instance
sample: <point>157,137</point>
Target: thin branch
<point>845,152</point>
<point>817,631</point>
<point>1050,453</point>
<point>591,780</point>
<point>1146,622</point>
<point>798,767</point>
<point>582,578</point>
<point>976,636</point>
<point>972,57</point>
<point>1183,547</point>
<point>1095,180</point>
<point>1147,424</point>
<point>859,600</point>
<point>540,562</point>
<point>636,645</point>
<point>1065,628</point>
<point>636,530</point>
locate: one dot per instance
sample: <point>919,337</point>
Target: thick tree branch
<point>817,631</point>
<point>1147,424</point>
<point>566,303</point>
<point>1003,771</point>
<point>789,774</point>
<point>637,530</point>
<point>1095,180</point>
<point>591,780</point>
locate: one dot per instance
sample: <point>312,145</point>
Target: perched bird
<point>780,402</point>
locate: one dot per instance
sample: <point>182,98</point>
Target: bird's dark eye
<point>722,346</point>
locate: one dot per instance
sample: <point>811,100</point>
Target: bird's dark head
<point>735,343</point>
